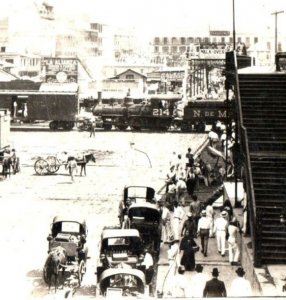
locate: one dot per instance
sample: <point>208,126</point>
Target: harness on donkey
<point>83,161</point>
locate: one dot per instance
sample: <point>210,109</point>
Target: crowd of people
<point>10,162</point>
<point>188,227</point>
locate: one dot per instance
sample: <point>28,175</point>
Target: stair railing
<point>251,206</point>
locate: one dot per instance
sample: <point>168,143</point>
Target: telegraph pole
<point>276,13</point>
<point>233,23</point>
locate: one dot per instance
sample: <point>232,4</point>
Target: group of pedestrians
<point>184,176</point>
<point>184,226</point>
<point>201,285</point>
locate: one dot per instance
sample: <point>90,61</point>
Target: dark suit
<point>214,288</point>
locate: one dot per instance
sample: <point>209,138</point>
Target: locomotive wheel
<point>53,164</point>
<point>136,124</point>
<point>54,125</point>
<point>41,167</point>
<point>81,271</point>
<point>107,126</point>
<point>122,127</point>
<point>201,127</point>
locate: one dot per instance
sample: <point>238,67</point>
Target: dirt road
<point>29,202</point>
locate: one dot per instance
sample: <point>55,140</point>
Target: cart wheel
<point>81,271</point>
<point>41,167</point>
<point>45,275</point>
<point>53,164</point>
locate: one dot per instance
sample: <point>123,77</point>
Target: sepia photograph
<point>143,149</point>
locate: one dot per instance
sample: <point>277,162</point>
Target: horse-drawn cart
<point>51,164</point>
<point>67,250</point>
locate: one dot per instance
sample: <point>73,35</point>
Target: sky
<point>162,16</point>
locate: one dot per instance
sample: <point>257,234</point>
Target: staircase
<point>263,106</point>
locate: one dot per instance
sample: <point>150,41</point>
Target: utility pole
<point>233,23</point>
<point>276,13</point>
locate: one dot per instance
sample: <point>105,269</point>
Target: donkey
<point>84,160</point>
<point>54,263</point>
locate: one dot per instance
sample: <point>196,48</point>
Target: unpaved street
<point>29,202</point>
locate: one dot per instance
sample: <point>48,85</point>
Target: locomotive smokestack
<point>99,97</point>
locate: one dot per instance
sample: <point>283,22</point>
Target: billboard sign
<point>60,69</point>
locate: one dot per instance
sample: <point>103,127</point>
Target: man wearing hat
<point>203,230</point>
<point>198,282</point>
<point>214,287</point>
<point>220,229</point>
<point>240,287</point>
<point>190,226</point>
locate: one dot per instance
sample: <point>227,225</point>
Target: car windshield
<point>120,241</point>
<point>70,227</point>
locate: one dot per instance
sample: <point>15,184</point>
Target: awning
<point>59,87</point>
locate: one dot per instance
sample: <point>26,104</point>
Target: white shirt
<point>179,212</point>
<point>204,223</point>
<point>198,283</point>
<point>180,286</point>
<point>181,185</point>
<point>233,232</point>
<point>148,261</point>
<point>210,211</point>
<point>240,287</point>
<point>220,224</point>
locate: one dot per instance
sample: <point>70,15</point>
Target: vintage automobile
<point>115,283</point>
<point>134,194</point>
<point>68,240</point>
<point>119,246</point>
<point>146,218</point>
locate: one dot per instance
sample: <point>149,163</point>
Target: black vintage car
<point>146,218</point>
<point>119,246</point>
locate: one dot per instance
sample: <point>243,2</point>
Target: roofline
<point>23,92</point>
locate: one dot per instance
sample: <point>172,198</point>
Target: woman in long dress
<point>187,249</point>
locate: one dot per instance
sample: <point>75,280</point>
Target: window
<point>239,39</point>
<point>268,46</point>
<point>156,50</point>
<point>3,49</point>
<point>223,39</point>
<point>183,41</point>
<point>174,49</point>
<point>231,39</point>
<point>255,40</point>
<point>165,49</point>
<point>206,40</point>
<point>174,41</point>
<point>182,49</point>
<point>157,40</point>
<point>190,40</point>
<point>130,77</point>
<point>214,40</point>
<point>165,41</point>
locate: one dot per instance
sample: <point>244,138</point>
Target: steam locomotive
<point>163,112</point>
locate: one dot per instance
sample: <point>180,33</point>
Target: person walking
<point>92,129</point>
<point>203,230</point>
<point>191,181</point>
<point>168,232</point>
<point>198,282</point>
<point>240,287</point>
<point>195,209</point>
<point>214,287</point>
<point>173,260</point>
<point>72,166</point>
<point>233,248</point>
<point>178,216</point>
<point>181,189</point>
<point>190,226</point>
<point>180,285</point>
<point>190,159</point>
<point>188,247</point>
<point>220,229</point>
<point>210,214</point>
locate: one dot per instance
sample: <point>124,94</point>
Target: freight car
<point>199,113</point>
<point>60,108</point>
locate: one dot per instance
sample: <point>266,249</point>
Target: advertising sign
<point>60,69</point>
